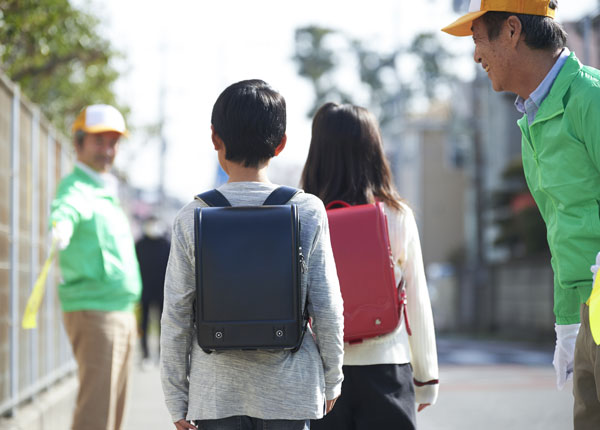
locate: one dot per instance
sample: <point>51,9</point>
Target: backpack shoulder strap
<point>281,195</point>
<point>214,198</point>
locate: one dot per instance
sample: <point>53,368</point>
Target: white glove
<point>62,233</point>
<point>564,352</point>
<point>595,267</point>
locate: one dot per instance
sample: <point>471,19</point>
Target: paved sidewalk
<point>147,408</point>
<point>499,397</point>
<point>497,385</point>
<point>490,397</point>
<point>484,385</point>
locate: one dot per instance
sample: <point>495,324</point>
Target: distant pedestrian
<point>523,50</point>
<point>260,389</point>
<point>152,251</point>
<point>100,274</point>
<point>346,162</point>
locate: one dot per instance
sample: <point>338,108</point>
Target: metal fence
<point>32,160</point>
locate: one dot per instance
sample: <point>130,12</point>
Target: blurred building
<point>584,38</point>
<point>431,181</point>
<point>434,184</point>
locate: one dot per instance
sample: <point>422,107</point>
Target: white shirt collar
<point>106,180</point>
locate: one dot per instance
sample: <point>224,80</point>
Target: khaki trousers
<point>586,377</point>
<point>103,344</point>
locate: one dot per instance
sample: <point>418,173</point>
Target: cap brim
<point>462,26</point>
<point>103,128</point>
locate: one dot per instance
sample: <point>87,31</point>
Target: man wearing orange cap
<point>100,273</point>
<point>522,49</point>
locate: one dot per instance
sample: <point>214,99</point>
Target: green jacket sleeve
<point>64,207</point>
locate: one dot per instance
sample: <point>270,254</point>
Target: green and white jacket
<point>99,267</point>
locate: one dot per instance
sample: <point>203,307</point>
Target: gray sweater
<point>260,384</point>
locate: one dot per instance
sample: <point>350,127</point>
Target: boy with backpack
<point>260,388</point>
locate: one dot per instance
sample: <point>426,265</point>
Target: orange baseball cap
<point>462,26</point>
<point>100,118</point>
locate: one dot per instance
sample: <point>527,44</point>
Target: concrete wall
<point>522,298</point>
<point>515,302</point>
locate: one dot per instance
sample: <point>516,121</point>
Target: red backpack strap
<point>403,302</point>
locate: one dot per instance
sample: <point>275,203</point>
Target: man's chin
<point>103,167</point>
<point>496,87</point>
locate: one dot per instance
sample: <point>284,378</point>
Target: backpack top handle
<point>337,203</point>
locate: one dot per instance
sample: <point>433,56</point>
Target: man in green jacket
<point>100,274</point>
<point>522,49</point>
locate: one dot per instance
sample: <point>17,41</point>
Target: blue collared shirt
<point>533,103</point>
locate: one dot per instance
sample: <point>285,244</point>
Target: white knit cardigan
<point>397,347</point>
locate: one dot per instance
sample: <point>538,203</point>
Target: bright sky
<point>209,45</point>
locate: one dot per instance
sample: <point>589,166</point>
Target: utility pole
<point>587,39</point>
<point>471,290</point>
<point>161,131</point>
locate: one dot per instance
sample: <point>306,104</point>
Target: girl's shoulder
<point>405,212</point>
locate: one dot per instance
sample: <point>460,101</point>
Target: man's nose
<point>109,149</point>
<point>476,56</point>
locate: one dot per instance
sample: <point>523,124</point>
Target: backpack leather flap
<point>248,277</point>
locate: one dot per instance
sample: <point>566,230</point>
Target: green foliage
<point>388,94</point>
<point>56,55</point>
<point>431,55</point>
<point>314,59</point>
<point>316,62</point>
<point>374,67</point>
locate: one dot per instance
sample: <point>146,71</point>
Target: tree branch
<point>54,62</point>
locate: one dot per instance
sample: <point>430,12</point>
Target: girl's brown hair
<point>346,159</point>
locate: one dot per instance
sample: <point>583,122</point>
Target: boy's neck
<point>238,173</point>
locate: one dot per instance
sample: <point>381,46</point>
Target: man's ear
<point>514,28</point>
<point>281,145</point>
<point>216,140</point>
<point>78,146</point>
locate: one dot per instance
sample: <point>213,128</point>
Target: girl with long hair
<point>385,376</point>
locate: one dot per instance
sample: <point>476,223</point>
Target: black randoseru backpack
<point>249,266</point>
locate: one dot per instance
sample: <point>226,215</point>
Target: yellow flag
<point>37,294</point>
<point>594,303</point>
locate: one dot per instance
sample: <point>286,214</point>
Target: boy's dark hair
<point>250,118</point>
<point>541,32</point>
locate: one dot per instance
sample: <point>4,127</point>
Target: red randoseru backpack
<point>373,301</point>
